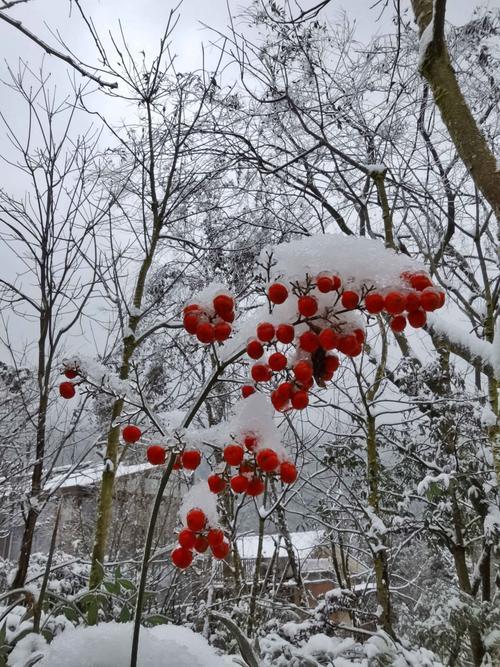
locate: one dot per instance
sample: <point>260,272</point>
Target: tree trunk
<point>463,129</point>
<point>105,503</point>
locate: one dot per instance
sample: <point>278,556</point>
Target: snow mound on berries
<point>201,497</point>
<point>109,645</point>
<point>255,415</point>
<point>356,260</point>
<point>206,296</point>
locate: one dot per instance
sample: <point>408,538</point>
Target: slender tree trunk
<point>36,478</point>
<point>380,555</point>
<point>105,503</point>
<point>459,556</point>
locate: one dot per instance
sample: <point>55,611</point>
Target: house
<point>76,491</point>
<point>311,561</point>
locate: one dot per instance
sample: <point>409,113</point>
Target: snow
<point>375,168</point>
<point>200,496</point>
<point>90,476</point>
<point>489,353</point>
<point>255,415</point>
<point>488,417</point>
<point>303,544</point>
<point>425,40</point>
<point>99,375</point>
<point>28,647</point>
<point>109,645</point>
<point>492,522</point>
<point>433,479</point>
<point>355,260</point>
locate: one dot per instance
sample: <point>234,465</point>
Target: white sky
<point>143,22</point>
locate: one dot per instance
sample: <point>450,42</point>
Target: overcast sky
<point>143,22</point>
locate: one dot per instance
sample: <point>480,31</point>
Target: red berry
<point>420,281</point>
<point>277,361</point>
<point>429,300</point>
<point>267,459</point>
<point>285,333</point>
<point>265,332</point>
<point>250,442</point>
<point>246,468</point>
<point>177,463</point>
<point>216,484</point>
<point>191,321</point>
<point>398,323</point>
<point>71,373</point>
<point>412,301</point>
<point>374,303</point>
<point>394,303</point>
<point>300,400</point>
<point>350,299</point>
<point>328,339</point>
<point>360,335</point>
<point>227,316</point>
<point>280,402</point>
<point>191,459</point>
<point>222,331</point>
<point>261,373</point>
<point>215,536</point>
<point>417,318</point>
<point>187,538</point>
<point>303,371</point>
<point>332,362</point>
<point>307,305</point>
<point>220,551</point>
<point>196,519</point>
<point>441,297</point>
<point>201,544</point>
<point>67,389</point>
<point>309,341</point>
<point>223,304</point>
<point>182,557</point>
<point>156,455</point>
<point>239,483</point>
<point>277,293</point>
<point>288,472</point>
<point>285,390</point>
<point>348,344</point>
<point>324,284</point>
<point>336,282</point>
<point>131,433</point>
<point>247,390</point>
<point>233,454</point>
<point>205,333</point>
<point>191,308</point>
<point>255,487</point>
<point>255,349</point>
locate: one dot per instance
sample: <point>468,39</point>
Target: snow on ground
<point>109,645</point>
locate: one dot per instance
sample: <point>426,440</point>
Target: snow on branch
<point>466,345</point>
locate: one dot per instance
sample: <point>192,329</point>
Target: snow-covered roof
<point>90,476</point>
<point>303,543</point>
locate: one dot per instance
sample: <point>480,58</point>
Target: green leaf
<point>112,587</point>
<point>125,614</point>
<point>127,584</point>
<point>155,619</point>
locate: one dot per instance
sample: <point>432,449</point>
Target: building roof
<point>89,476</point>
<point>303,543</point>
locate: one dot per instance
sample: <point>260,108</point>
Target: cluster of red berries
<point>409,304</point>
<point>210,324</point>
<point>252,464</point>
<point>326,331</point>
<point>198,535</point>
<point>67,389</point>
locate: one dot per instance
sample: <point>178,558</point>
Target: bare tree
<point>51,230</point>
